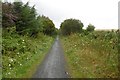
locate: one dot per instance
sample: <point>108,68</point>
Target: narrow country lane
<point>53,66</point>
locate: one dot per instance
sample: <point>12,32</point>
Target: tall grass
<point>92,56</point>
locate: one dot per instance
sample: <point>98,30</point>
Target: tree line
<point>69,26</point>
<point>24,20</point>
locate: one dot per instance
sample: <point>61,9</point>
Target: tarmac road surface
<point>53,66</point>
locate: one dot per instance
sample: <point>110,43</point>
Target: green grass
<point>92,56</point>
<point>22,54</point>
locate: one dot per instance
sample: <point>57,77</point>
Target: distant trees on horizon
<point>69,26</point>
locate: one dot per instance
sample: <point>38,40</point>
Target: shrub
<point>71,26</point>
<point>90,28</point>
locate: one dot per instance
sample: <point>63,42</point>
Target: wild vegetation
<point>26,38</point>
<point>92,54</point>
<point>22,54</point>
<point>69,26</point>
<point>25,20</point>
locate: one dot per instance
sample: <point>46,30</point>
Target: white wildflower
<point>9,73</point>
<point>66,72</point>
<point>23,40</point>
<point>110,41</point>
<point>18,53</point>
<point>11,60</point>
<point>24,46</point>
<point>20,64</point>
<point>83,44</point>
<point>9,64</point>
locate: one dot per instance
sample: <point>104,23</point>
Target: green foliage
<point>92,56</point>
<point>90,28</point>
<point>24,19</point>
<point>18,8</point>
<point>27,23</point>
<point>24,44</point>
<point>71,26</point>
<point>85,32</point>
<point>22,54</point>
<point>47,25</point>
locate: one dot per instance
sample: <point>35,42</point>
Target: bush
<point>71,26</point>
<point>90,28</point>
<point>47,25</point>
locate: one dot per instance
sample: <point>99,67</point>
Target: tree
<point>27,22</point>
<point>90,28</point>
<point>8,17</point>
<point>71,26</point>
<point>24,20</point>
<point>47,25</point>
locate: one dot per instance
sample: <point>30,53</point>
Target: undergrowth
<point>22,54</point>
<point>92,56</point>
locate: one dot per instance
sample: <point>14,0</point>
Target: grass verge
<point>92,56</point>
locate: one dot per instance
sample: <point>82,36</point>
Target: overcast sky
<point>103,14</point>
